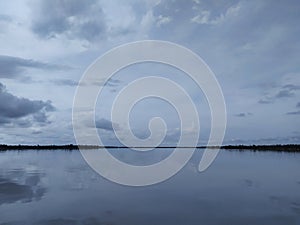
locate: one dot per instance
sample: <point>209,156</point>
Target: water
<point>58,187</point>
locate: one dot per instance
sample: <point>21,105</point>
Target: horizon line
<point>75,146</point>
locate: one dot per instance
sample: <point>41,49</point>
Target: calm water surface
<point>58,187</point>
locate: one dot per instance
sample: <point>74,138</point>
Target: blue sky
<point>253,47</point>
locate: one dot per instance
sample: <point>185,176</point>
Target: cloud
<point>285,91</point>
<point>64,82</point>
<point>56,30</point>
<point>75,19</point>
<point>243,114</point>
<point>294,113</point>
<point>105,124</point>
<point>292,87</point>
<point>5,21</point>
<point>15,110</point>
<point>36,132</point>
<point>163,20</point>
<point>40,117</point>
<point>266,140</point>
<point>284,94</point>
<point>265,101</point>
<point>5,18</point>
<point>11,67</point>
<point>205,17</point>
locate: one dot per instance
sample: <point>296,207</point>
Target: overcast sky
<point>253,47</point>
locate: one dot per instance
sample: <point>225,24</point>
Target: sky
<point>253,48</point>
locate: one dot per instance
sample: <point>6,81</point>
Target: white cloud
<point>120,18</point>
<point>147,22</point>
<point>163,20</point>
<point>205,17</point>
<point>202,18</point>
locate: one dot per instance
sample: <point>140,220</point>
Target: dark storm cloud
<point>105,124</point>
<point>243,114</point>
<point>74,18</point>
<point>11,67</point>
<point>13,108</point>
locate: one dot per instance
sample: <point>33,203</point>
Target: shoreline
<point>278,148</point>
